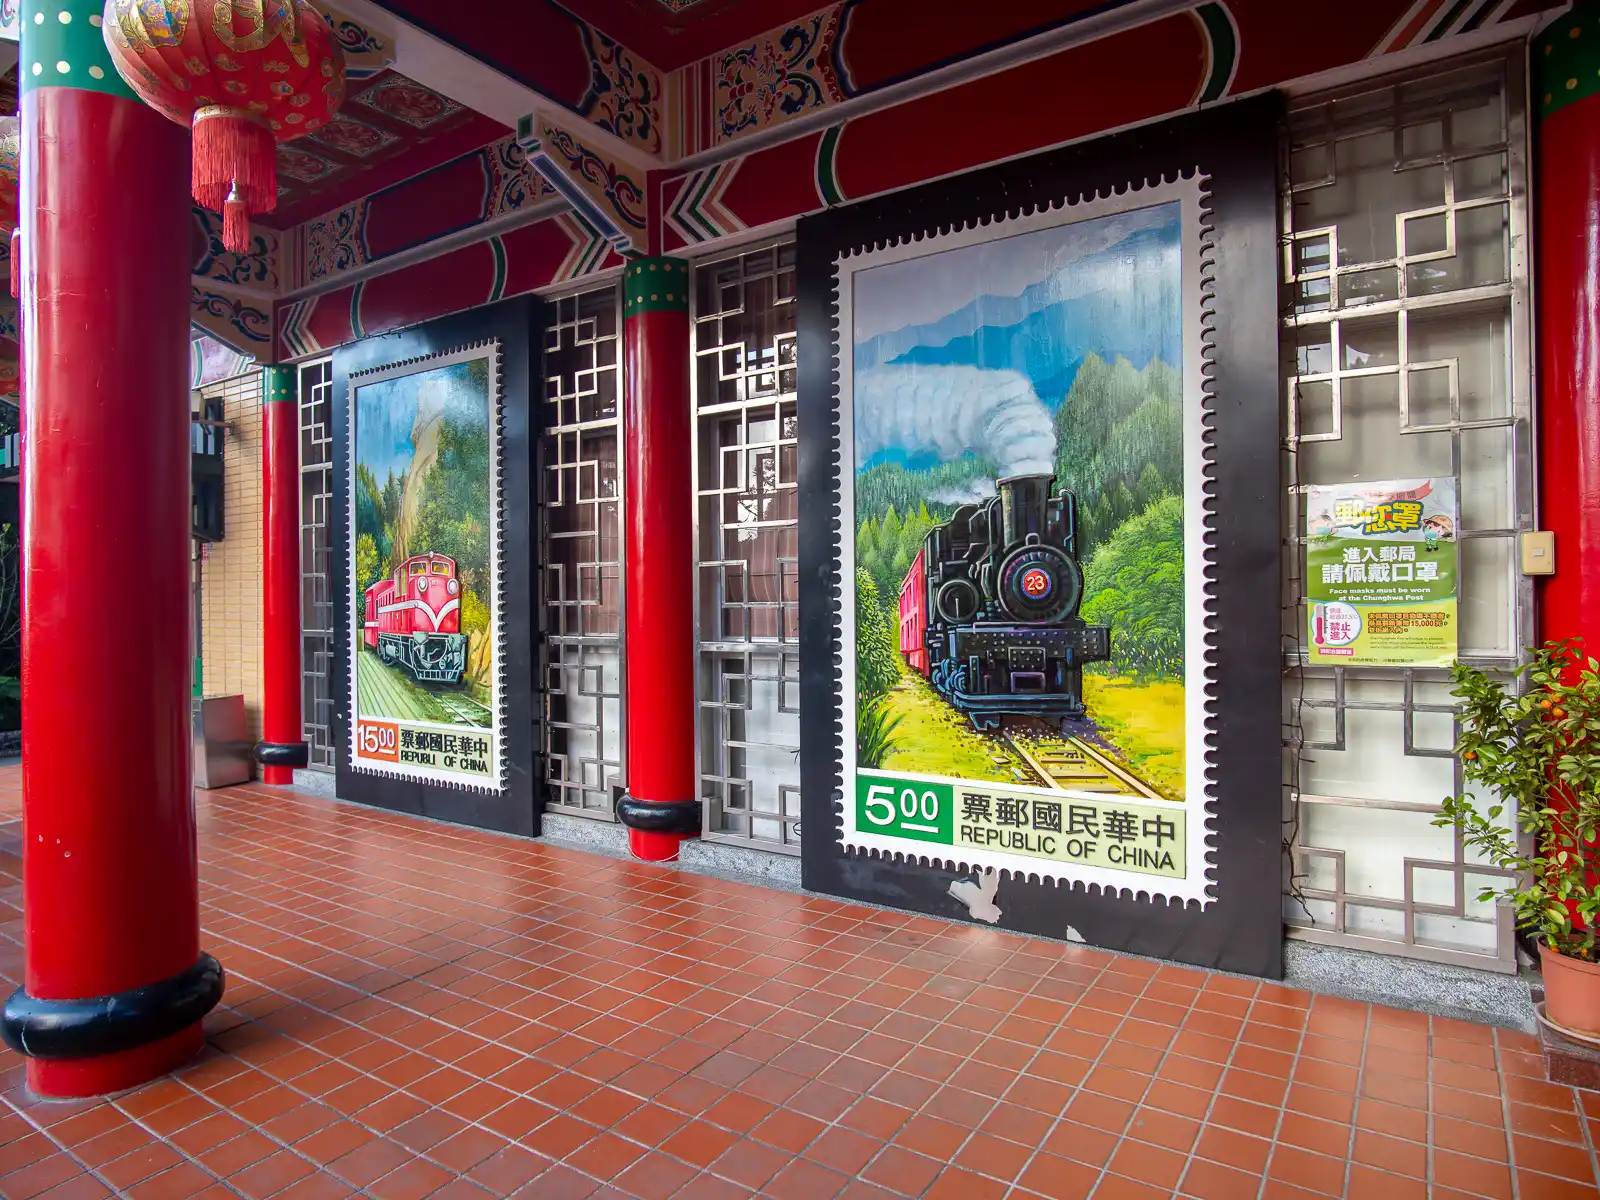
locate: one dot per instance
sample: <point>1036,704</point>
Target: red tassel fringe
<point>235,154</point>
<point>236,227</point>
<point>235,172</point>
<point>16,262</point>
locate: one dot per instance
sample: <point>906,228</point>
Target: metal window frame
<point>785,652</point>
<point>553,301</point>
<point>304,404</point>
<point>1515,294</point>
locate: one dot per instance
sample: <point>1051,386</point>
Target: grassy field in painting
<point>934,739</point>
<point>1145,722</point>
<point>385,691</point>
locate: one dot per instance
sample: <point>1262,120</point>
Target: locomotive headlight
<point>422,586</point>
<point>452,587</point>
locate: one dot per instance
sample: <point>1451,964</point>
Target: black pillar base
<point>283,754</point>
<point>650,816</point>
<point>121,1021</point>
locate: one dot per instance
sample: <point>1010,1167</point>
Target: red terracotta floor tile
<point>750,1163</point>
<point>448,1014</point>
<point>1533,1186</point>
<point>1058,1178</point>
<point>1473,1176</point>
<point>1212,1181</point>
<point>38,1177</point>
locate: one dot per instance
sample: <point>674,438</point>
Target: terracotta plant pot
<point>1571,991</point>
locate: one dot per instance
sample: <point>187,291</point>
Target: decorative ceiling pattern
<point>671,33</point>
<point>556,53</point>
<point>389,129</point>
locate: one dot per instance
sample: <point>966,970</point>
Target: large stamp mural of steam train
<point>413,619</point>
<point>989,608</point>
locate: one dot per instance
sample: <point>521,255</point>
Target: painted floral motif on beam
<point>365,53</point>
<point>405,100</point>
<point>599,177</point>
<point>257,268</point>
<point>777,77</point>
<point>334,243</point>
<point>232,320</point>
<point>514,182</point>
<point>624,96</point>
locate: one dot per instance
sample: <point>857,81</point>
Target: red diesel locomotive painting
<point>414,619</point>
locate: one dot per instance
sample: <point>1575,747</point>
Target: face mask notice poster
<point>1381,570</point>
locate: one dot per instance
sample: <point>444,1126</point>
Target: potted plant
<point>1537,750</point>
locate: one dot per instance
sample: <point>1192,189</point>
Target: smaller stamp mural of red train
<point>413,619</point>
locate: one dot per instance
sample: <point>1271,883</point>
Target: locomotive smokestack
<point>1022,503</point>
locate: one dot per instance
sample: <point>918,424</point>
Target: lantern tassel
<point>235,170</point>
<point>235,225</point>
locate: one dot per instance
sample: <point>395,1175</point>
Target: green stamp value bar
<point>905,808</point>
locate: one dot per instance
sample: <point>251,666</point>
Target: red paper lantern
<point>246,74</point>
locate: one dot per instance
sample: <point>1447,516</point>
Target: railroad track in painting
<point>468,711</point>
<point>1072,763</point>
<point>389,692</point>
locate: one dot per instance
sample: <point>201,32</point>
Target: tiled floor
<point>418,1011</point>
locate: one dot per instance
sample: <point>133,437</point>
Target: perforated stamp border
<point>1197,282</point>
<point>488,348</point>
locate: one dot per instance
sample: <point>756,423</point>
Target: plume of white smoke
<point>948,411</point>
<point>973,491</point>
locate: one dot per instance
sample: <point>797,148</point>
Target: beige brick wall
<point>230,578</point>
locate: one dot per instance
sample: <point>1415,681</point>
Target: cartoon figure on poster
<point>1381,565</point>
<point>424,569</point>
<point>1025,544</point>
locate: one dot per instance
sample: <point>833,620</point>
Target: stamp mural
<point>1022,571</point>
<point>424,570</point>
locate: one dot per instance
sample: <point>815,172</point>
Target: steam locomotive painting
<point>413,619</point>
<point>989,607</point>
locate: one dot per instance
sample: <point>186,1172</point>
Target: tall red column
<point>283,746</point>
<point>114,983</point>
<point>1566,96</point>
<point>662,805</point>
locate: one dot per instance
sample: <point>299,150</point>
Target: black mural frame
<point>517,326</point>
<point>1236,147</point>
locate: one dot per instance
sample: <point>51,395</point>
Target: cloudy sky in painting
<point>920,291</point>
<point>386,412</point>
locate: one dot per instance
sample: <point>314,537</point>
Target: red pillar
<point>283,746</point>
<point>662,805</point>
<point>114,983</point>
<point>1566,100</point>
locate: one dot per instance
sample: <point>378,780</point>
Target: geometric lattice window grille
<point>580,536</point>
<point>316,600</point>
<point>746,530</point>
<point>1407,354</point>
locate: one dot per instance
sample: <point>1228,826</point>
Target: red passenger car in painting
<point>413,619</point>
<point>914,617</point>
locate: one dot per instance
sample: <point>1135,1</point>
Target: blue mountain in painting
<point>1123,301</point>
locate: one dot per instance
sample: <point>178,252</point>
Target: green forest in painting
<point>1119,450</point>
<point>439,504</point>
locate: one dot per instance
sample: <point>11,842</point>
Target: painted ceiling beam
<point>435,63</point>
<point>1092,25</point>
